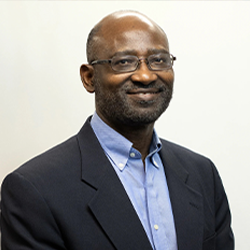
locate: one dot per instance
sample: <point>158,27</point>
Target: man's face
<point>132,98</point>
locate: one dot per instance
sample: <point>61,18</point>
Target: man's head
<point>136,96</point>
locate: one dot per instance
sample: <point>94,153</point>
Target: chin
<point>136,118</point>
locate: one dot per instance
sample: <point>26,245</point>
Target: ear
<point>87,74</point>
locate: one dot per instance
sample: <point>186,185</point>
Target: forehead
<point>130,33</point>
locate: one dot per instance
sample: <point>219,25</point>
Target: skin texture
<point>129,102</point>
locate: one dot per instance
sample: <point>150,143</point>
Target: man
<point>116,185</point>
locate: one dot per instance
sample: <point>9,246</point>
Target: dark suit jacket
<point>71,198</point>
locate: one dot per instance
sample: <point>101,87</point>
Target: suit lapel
<point>114,211</point>
<point>187,204</point>
<point>110,204</point>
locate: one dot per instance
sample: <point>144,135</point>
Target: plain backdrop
<point>42,100</point>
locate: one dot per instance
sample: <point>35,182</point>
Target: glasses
<point>128,63</point>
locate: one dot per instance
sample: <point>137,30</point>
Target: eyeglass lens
<point>129,63</point>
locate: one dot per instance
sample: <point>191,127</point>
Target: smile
<point>141,91</point>
<point>144,94</point>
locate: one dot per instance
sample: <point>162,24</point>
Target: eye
<point>159,59</point>
<point>123,61</point>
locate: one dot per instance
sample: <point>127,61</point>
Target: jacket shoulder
<point>200,169</point>
<point>62,158</point>
<point>182,152</point>
<point>52,161</point>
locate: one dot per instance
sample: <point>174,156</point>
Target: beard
<point>116,107</point>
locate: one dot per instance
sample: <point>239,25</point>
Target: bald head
<point>125,95</point>
<point>117,23</point>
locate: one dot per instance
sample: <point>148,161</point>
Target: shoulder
<point>62,158</point>
<point>179,158</point>
<point>51,163</point>
<point>183,153</point>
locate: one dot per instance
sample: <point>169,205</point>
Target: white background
<point>42,45</point>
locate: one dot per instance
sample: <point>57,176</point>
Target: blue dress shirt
<point>146,187</point>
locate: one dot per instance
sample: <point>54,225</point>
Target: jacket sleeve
<point>224,239</point>
<point>26,220</point>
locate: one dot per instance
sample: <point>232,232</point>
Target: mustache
<point>138,85</point>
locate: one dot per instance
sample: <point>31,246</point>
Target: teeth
<point>147,93</point>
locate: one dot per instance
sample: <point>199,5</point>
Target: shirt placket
<point>157,229</point>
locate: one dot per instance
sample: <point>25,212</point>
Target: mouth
<point>144,94</point>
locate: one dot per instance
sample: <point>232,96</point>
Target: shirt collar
<point>116,146</point>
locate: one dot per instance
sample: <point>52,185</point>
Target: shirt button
<point>132,154</point>
<point>156,227</point>
<point>121,165</point>
<point>155,163</point>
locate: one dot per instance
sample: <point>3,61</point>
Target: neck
<point>140,136</point>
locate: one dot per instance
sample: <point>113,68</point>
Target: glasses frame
<point>172,58</point>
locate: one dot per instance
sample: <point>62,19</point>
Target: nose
<point>143,74</point>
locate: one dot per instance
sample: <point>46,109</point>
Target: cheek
<point>113,81</point>
<point>167,77</point>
